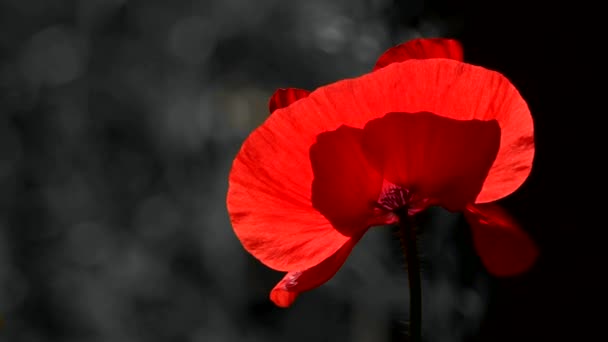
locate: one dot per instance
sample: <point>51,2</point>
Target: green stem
<point>410,250</point>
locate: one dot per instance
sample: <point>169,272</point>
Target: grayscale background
<point>119,120</point>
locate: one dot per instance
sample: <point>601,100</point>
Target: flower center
<point>394,197</point>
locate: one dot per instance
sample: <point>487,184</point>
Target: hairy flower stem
<point>407,236</point>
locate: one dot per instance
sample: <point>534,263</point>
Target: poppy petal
<point>272,214</point>
<point>421,48</point>
<point>345,186</point>
<point>294,283</point>
<point>343,193</point>
<point>504,248</point>
<point>270,185</point>
<point>444,159</point>
<point>283,97</point>
<point>269,199</point>
<point>444,87</point>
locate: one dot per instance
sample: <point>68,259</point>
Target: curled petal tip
<point>283,97</point>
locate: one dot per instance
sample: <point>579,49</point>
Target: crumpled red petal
<point>270,184</point>
<point>503,246</point>
<point>283,97</point>
<point>273,217</point>
<point>444,159</point>
<point>421,48</point>
<point>296,282</point>
<point>270,203</point>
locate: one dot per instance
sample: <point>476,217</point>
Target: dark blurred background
<point>119,120</point>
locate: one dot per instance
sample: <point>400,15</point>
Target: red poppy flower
<point>424,128</point>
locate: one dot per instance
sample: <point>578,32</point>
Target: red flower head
<point>422,129</point>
